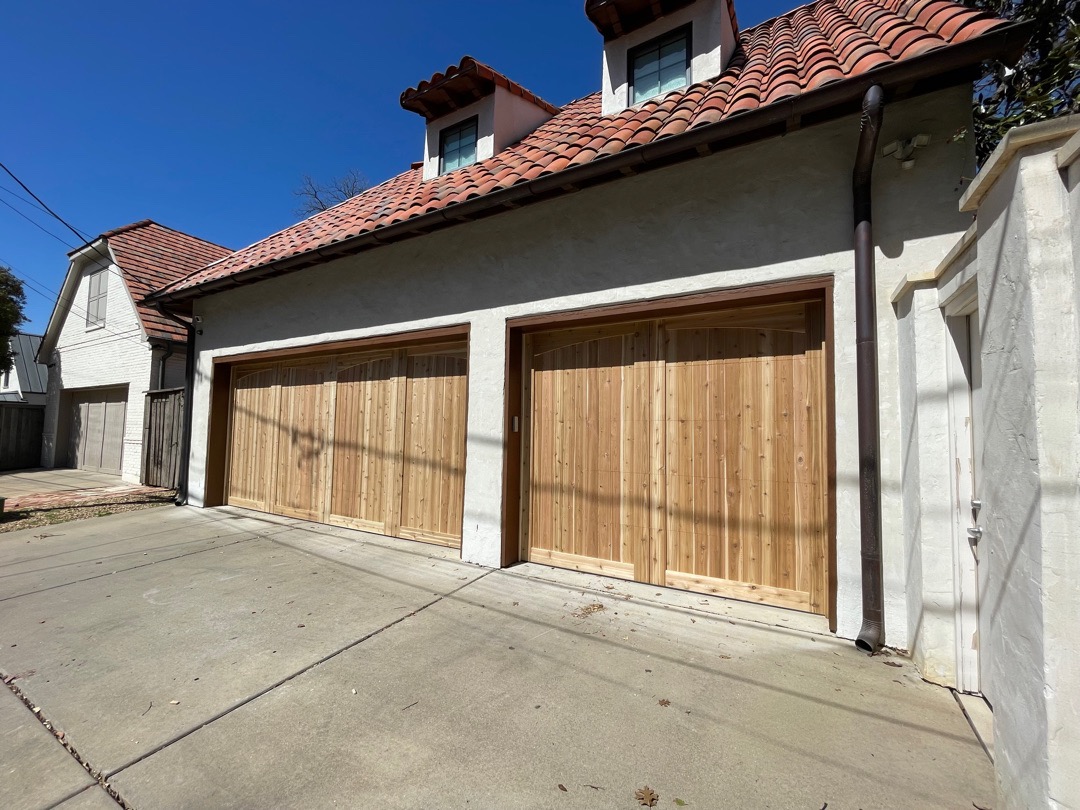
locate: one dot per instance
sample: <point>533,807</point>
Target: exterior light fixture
<point>904,150</point>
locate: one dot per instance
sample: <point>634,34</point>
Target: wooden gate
<point>372,440</point>
<point>688,452</point>
<point>20,435</point>
<point>163,425</point>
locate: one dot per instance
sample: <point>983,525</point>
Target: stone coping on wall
<point>912,280</point>
<point>1014,140</point>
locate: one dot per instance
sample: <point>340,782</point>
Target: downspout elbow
<point>871,636</point>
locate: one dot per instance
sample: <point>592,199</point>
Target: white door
<point>966,430</point>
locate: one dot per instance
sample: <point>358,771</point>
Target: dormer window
<point>653,47</point>
<point>660,65</point>
<point>473,112</point>
<point>457,145</point>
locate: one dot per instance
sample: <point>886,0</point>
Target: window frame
<point>465,123</point>
<point>684,32</point>
<point>97,305</point>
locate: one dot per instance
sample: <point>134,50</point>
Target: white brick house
<point>104,350</point>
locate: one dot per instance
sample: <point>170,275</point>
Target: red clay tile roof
<point>151,256</point>
<point>813,46</point>
<point>461,85</point>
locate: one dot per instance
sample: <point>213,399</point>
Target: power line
<point>36,225</point>
<point>20,197</point>
<point>86,239</point>
<point>59,218</point>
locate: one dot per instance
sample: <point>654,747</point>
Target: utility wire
<point>20,197</point>
<point>59,218</point>
<point>44,208</point>
<point>83,237</point>
<point>41,228</point>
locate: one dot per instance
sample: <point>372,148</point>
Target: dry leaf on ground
<point>563,788</point>
<point>664,702</point>
<point>647,797</point>
<point>588,610</point>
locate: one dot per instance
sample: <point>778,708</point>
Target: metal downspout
<point>872,635</point>
<point>189,390</point>
<point>168,347</point>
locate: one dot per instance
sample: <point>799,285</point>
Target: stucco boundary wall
<point>1019,263</point>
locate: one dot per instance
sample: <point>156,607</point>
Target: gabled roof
<point>150,256</point>
<point>820,57</point>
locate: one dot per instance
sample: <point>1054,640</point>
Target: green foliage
<point>12,302</point>
<point>1044,84</point>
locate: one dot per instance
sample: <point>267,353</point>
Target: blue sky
<point>204,116</point>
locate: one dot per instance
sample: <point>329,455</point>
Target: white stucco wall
<point>1027,276</point>
<point>761,213</point>
<point>97,358</point>
<point>712,44</point>
<point>924,406</point>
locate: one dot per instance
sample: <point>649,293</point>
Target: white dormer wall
<point>711,46</point>
<point>503,119</point>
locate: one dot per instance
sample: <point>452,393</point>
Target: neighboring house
<point>22,406</point>
<point>105,351</point>
<point>27,380</point>
<point>621,336</point>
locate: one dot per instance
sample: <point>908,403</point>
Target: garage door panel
<point>590,428</point>
<point>254,437</point>
<point>301,457</point>
<point>366,441</point>
<point>433,464</point>
<point>112,443</point>
<point>731,397</point>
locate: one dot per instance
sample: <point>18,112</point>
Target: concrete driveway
<point>20,483</point>
<point>217,658</point>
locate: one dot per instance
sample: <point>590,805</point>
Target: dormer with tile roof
<point>473,112</point>
<point>654,47</point>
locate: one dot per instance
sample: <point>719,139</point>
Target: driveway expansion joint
<point>279,683</point>
<point>61,738</point>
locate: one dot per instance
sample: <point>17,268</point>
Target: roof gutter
<point>1007,41</point>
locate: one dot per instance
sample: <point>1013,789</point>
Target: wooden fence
<point>20,435</point>
<point>163,424</point>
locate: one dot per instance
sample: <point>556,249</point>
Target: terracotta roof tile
<point>150,256</point>
<point>817,44</point>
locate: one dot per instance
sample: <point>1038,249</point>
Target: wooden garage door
<point>96,429</point>
<point>374,441</point>
<point>685,452</point>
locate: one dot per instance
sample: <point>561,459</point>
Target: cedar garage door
<point>689,452</point>
<point>96,430</point>
<point>373,441</point>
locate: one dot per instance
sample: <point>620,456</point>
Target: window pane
<point>459,146</point>
<point>659,67</point>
